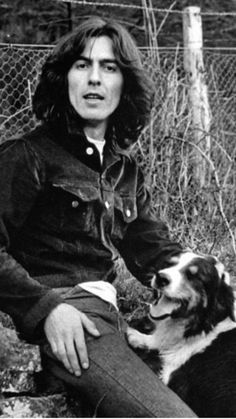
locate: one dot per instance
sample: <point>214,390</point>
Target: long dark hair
<point>51,101</point>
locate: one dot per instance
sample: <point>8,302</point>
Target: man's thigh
<point>117,383</point>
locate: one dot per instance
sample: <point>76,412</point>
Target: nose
<point>162,279</point>
<point>94,75</point>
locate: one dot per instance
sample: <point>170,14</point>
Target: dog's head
<point>195,288</point>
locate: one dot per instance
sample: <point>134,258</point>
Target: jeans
<point>118,383</point>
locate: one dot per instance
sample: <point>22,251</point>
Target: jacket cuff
<point>38,313</point>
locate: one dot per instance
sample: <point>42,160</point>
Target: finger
<point>73,357</point>
<point>89,325</point>
<point>53,346</point>
<point>81,348</point>
<point>61,354</point>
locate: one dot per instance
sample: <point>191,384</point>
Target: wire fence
<point>166,151</point>
<point>18,77</point>
<point>142,7</point>
<point>20,67</point>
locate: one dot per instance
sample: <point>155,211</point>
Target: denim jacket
<point>64,219</point>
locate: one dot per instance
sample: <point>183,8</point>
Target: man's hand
<point>64,329</point>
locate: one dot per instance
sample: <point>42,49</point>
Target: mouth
<point>156,295</point>
<point>93,96</point>
<point>163,306</point>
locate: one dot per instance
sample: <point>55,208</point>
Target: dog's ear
<point>220,299</point>
<point>225,296</point>
<point>225,301</point>
<point>222,273</point>
<point>220,293</point>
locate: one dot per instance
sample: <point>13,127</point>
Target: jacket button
<point>107,204</point>
<point>89,151</point>
<point>128,212</point>
<point>75,204</point>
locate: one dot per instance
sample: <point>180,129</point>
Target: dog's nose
<point>162,279</point>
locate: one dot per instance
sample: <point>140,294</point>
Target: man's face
<point>95,82</point>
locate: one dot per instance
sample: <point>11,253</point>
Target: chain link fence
<point>20,67</point>
<point>19,70</point>
<point>166,151</point>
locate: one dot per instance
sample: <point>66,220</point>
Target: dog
<point>194,331</point>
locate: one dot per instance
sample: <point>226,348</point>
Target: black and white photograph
<point>117,208</point>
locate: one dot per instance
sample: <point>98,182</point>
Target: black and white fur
<point>194,333</point>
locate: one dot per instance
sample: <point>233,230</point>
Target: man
<point>73,199</point>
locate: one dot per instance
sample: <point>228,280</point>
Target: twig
<point>220,199</point>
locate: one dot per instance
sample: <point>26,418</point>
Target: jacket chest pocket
<point>74,207</point>
<point>125,211</point>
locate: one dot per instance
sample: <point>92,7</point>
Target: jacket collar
<point>71,137</point>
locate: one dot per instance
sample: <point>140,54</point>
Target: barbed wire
<point>133,6</point>
<point>26,46</point>
<point>145,48</point>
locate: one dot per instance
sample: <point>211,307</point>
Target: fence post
<point>194,68</point>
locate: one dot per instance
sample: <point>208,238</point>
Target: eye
<point>81,65</point>
<point>110,68</point>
